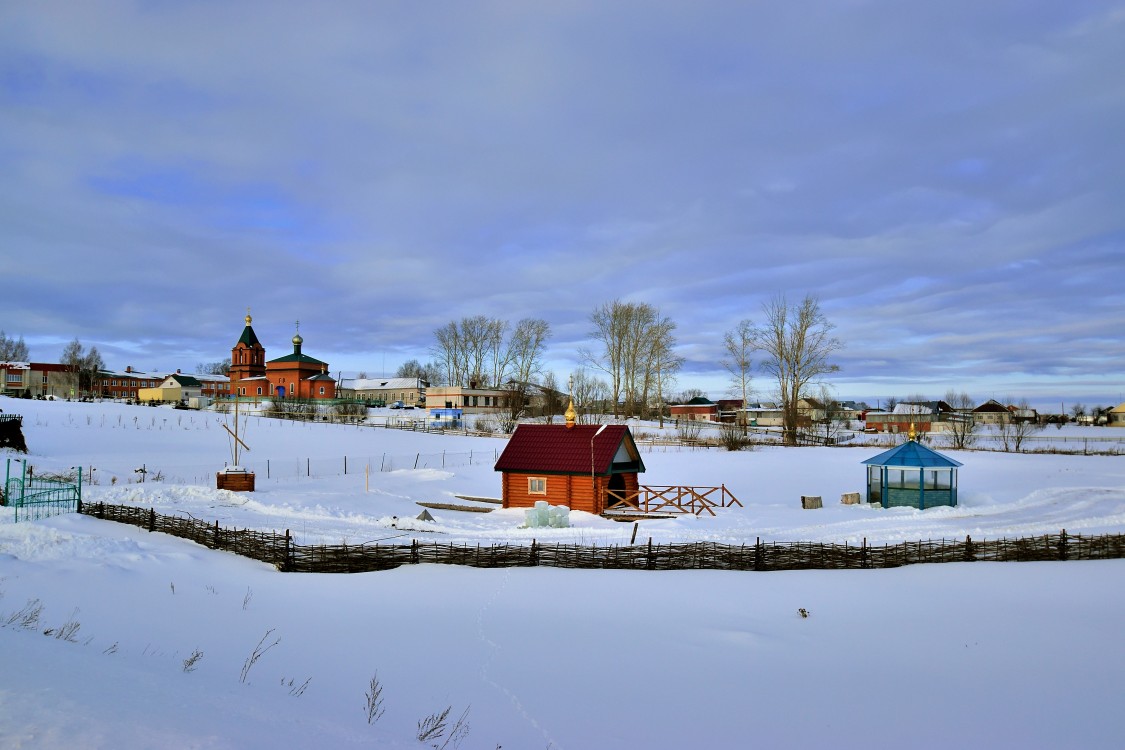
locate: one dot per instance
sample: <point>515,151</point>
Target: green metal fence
<point>33,498</point>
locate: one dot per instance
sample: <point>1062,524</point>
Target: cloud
<point>946,177</point>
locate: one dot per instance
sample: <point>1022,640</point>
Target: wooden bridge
<point>667,501</point>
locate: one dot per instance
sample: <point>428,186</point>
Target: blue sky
<point>946,177</point>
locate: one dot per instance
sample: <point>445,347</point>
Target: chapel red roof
<point>555,449</point>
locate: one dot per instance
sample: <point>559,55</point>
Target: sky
<point>944,177</point>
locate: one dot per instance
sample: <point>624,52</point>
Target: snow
<point>981,654</point>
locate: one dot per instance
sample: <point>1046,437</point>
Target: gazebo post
<point>884,498</point>
<point>921,488</point>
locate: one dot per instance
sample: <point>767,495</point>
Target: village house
<point>762,414</point>
<point>924,416</point>
<point>410,391</point>
<point>124,384</point>
<point>584,467</point>
<point>698,409</point>
<point>991,412</point>
<point>35,379</point>
<point>212,385</point>
<point>175,388</point>
<point>471,400</point>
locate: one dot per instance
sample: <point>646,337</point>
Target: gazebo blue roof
<point>912,454</point>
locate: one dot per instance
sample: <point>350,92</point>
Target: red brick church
<point>295,375</point>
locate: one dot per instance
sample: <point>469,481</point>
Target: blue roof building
<point>913,476</point>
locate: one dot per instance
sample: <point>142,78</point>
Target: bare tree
<point>461,349</point>
<point>477,333</point>
<point>797,341</point>
<point>222,367</point>
<point>739,345</point>
<point>589,395</point>
<point>517,395</point>
<point>494,359</point>
<point>449,351</point>
<point>962,428</point>
<point>524,353</point>
<point>13,350</point>
<point>660,368</point>
<point>688,394</point>
<point>831,418</point>
<point>81,366</point>
<point>429,373</point>
<point>553,402</point>
<point>411,368</point>
<point>1014,430</point>
<point>610,329</point>
<point>476,350</point>
<point>636,342</point>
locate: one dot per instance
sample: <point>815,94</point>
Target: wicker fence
<point>280,551</point>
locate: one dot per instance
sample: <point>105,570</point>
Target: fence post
<point>285,560</point>
<point>414,551</point>
<point>1062,545</point>
<point>216,533</point>
<point>151,519</point>
<point>863,554</point>
<point>758,554</point>
<point>649,564</point>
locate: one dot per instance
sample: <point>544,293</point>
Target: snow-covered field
<point>978,655</point>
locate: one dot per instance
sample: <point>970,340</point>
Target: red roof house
<point>700,409</point>
<point>574,465</point>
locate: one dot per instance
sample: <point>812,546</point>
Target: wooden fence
<point>280,551</point>
<point>670,500</point>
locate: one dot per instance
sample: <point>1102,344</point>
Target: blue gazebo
<point>912,476</point>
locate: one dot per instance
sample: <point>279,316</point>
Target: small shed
<point>913,476</point>
<point>570,464</point>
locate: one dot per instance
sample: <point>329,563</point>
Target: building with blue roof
<point>912,475</point>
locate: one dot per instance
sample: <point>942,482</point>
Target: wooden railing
<point>669,500</point>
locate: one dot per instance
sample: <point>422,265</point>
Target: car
<point>397,405</point>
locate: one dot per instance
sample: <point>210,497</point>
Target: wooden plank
<point>451,506</point>
<point>493,500</point>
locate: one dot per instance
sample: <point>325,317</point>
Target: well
<point>235,479</point>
